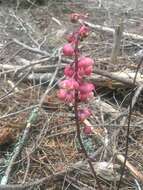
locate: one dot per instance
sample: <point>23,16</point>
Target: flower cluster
<point>75,73</point>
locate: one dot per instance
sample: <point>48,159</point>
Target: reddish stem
<point>76,114</point>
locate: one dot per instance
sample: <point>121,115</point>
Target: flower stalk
<point>74,89</point>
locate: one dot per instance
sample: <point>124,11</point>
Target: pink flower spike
<point>68,50</point>
<point>87,130</point>
<point>68,71</point>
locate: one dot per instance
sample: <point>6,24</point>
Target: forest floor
<point>38,144</point>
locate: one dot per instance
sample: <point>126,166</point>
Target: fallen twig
<point>35,50</point>
<point>17,69</point>
<point>52,79</point>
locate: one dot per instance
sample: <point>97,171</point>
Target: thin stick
<point>128,126</point>
<point>52,80</point>
<point>14,87</point>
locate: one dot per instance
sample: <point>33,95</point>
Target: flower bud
<point>61,94</point>
<point>88,70</point>
<point>68,50</point>
<point>68,71</point>
<point>84,31</point>
<point>66,96</point>
<point>70,38</point>
<point>85,62</point>
<point>85,96</point>
<point>70,97</point>
<point>84,113</point>
<point>86,87</point>
<point>87,130</point>
<point>70,84</point>
<point>74,17</point>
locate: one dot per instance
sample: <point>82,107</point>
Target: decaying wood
<point>125,77</point>
<point>117,43</point>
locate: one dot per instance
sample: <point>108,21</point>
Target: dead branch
<point>125,77</point>
<point>112,31</point>
<point>35,50</point>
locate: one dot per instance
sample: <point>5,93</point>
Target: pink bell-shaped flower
<point>68,50</point>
